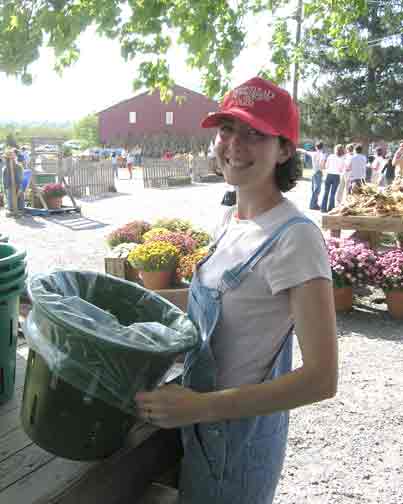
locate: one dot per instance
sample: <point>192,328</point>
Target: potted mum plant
<point>187,263</point>
<point>156,262</point>
<point>53,194</point>
<point>185,243</point>
<point>353,264</point>
<point>390,279</point>
<point>131,232</point>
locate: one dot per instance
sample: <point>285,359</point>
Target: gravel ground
<point>345,450</point>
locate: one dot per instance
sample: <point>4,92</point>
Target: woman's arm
<point>312,306</point>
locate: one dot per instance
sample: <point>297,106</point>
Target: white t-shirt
<point>358,167</point>
<point>335,164</point>
<point>318,157</point>
<point>256,315</point>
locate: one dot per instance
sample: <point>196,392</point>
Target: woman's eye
<point>255,133</point>
<point>226,129</point>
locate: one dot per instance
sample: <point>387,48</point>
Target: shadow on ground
<point>372,322</point>
<point>30,221</point>
<point>77,222</point>
<point>100,197</point>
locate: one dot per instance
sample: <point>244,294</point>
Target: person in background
<point>114,164</point>
<point>397,160</point>
<point>18,179</point>
<point>318,165</point>
<point>357,166</point>
<point>341,193</point>
<point>334,170</point>
<point>368,169</point>
<point>26,157</point>
<point>388,171</point>
<point>129,163</point>
<point>267,270</point>
<point>377,165</point>
<point>137,155</point>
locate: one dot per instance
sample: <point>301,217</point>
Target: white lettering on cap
<point>246,96</point>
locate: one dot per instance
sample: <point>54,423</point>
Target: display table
<point>368,228</point>
<point>30,475</point>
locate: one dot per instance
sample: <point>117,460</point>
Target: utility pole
<point>298,17</point>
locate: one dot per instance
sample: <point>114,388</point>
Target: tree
<point>86,130</point>
<point>213,31</point>
<point>361,97</point>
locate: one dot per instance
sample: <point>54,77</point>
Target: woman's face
<point>246,156</point>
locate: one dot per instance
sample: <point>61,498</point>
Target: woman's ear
<point>287,150</point>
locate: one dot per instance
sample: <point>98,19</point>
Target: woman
<point>377,166</point>
<point>267,272</point>
<point>344,185</point>
<point>334,170</point>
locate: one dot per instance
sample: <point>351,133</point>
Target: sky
<point>102,78</point>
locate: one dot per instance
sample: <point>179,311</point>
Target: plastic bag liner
<point>105,336</point>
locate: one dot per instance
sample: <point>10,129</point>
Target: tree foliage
<point>357,82</point>
<point>361,94</point>
<point>86,130</point>
<point>213,32</point>
<point>22,133</point>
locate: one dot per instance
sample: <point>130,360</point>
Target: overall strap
<point>214,245</point>
<point>232,278</point>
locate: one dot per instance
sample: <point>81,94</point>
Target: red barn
<point>145,116</point>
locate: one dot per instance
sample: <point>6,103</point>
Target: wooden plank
<point>124,477</point>
<point>50,478</point>
<point>63,481</point>
<point>12,404</point>
<point>21,464</point>
<point>392,224</point>
<point>8,422</point>
<point>13,442</point>
<point>115,266</point>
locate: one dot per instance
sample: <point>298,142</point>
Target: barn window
<point>169,117</point>
<point>132,117</point>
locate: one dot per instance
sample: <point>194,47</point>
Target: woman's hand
<point>171,406</point>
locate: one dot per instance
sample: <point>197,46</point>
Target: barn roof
<point>175,88</point>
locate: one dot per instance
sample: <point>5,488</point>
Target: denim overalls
<point>233,461</point>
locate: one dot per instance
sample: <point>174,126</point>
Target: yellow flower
<point>154,256</point>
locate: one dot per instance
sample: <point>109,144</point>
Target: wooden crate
<point>178,297</point>
<point>116,266</point>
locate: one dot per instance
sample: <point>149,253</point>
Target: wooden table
<point>30,475</point>
<point>369,228</point>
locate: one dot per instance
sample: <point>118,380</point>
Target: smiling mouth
<point>238,164</point>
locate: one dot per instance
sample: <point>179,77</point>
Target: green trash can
<point>95,340</point>
<point>18,271</point>
<point>10,257</point>
<point>9,312</point>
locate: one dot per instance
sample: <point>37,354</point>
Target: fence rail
<point>89,178</point>
<point>159,172</point>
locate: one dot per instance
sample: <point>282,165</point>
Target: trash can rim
<point>38,305</point>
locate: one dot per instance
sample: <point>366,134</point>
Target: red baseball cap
<point>261,104</point>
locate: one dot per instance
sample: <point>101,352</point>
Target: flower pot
<point>54,202</point>
<point>132,274</point>
<point>343,298</point>
<point>394,301</point>
<point>155,280</point>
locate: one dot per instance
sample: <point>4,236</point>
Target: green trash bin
<point>9,312</point>
<point>95,340</point>
<point>10,257</point>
